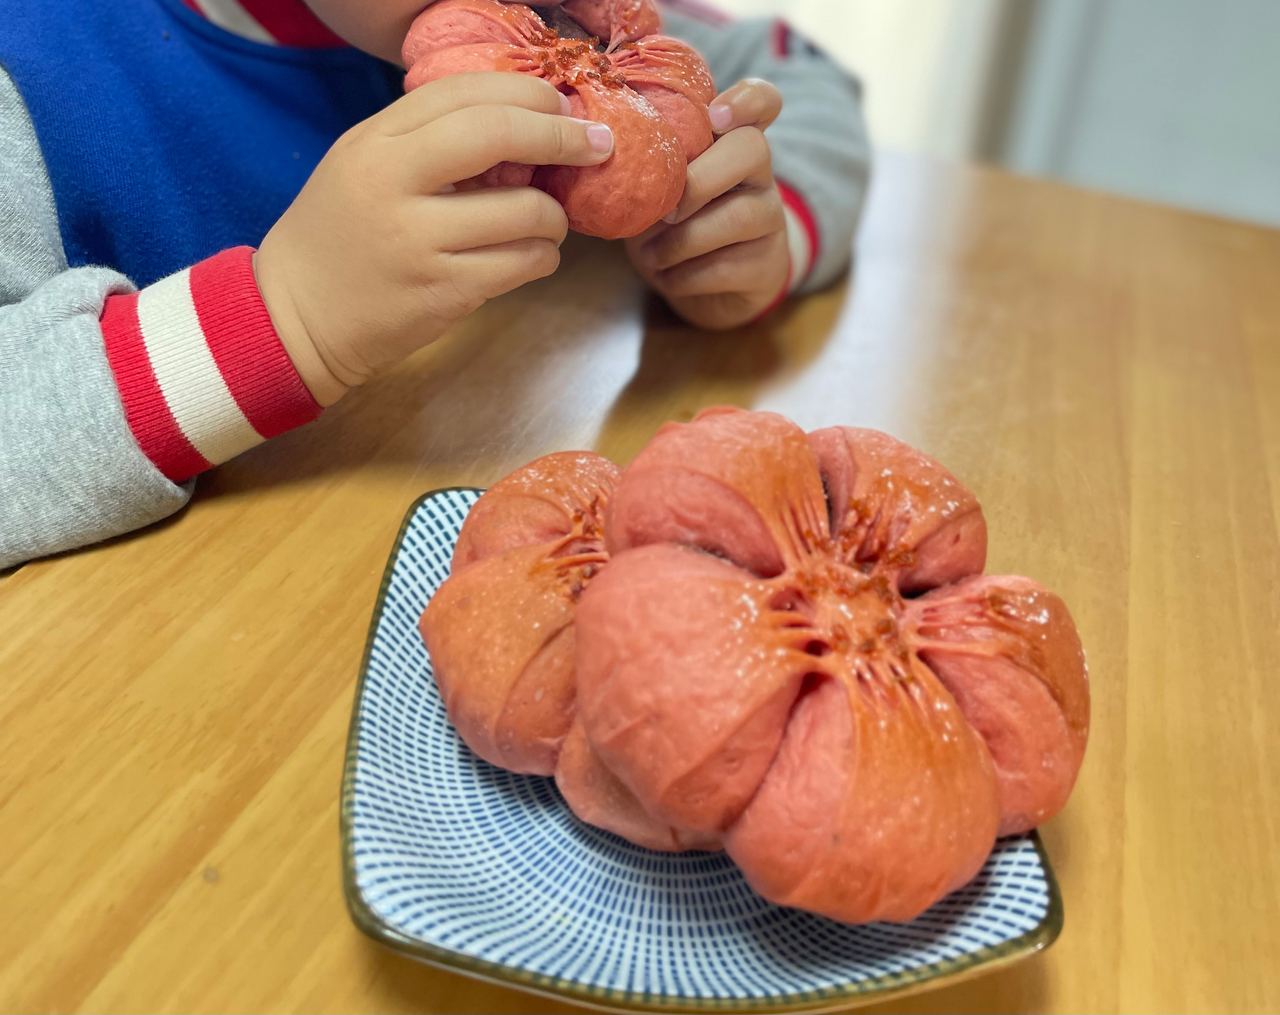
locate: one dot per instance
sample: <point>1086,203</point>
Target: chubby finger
<point>742,267</point>
<point>460,91</point>
<point>732,218</point>
<point>750,103</point>
<point>465,143</point>
<point>491,271</point>
<point>738,159</point>
<point>486,218</point>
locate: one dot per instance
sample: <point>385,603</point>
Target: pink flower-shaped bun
<point>783,646</point>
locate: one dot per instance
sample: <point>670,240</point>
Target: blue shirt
<point>168,139</point>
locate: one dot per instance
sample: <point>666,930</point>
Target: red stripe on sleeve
<point>792,199</point>
<point>145,408</point>
<point>781,38</point>
<point>291,23</point>
<point>245,346</point>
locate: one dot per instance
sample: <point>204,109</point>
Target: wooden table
<point>1106,376</point>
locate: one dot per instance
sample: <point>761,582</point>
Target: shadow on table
<point>407,985</point>
<point>683,369</point>
<point>444,409</point>
<point>532,371</point>
<point>502,385</point>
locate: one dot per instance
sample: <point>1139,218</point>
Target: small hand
<point>721,259</point>
<point>380,253</point>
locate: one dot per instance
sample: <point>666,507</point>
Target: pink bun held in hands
<point>652,91</point>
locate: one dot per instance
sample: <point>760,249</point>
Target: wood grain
<point>1106,376</point>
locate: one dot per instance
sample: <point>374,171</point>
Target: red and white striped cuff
<point>201,370</point>
<point>802,235</point>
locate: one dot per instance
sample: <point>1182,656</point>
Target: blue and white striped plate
<point>488,873</point>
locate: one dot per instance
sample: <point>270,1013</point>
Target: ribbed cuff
<point>201,371</point>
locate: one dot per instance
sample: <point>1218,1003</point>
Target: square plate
<point>488,873</point>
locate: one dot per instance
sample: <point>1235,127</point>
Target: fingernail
<point>565,108</point>
<point>673,218</point>
<point>600,137</point>
<point>721,116</point>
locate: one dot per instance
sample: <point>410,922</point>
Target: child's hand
<point>378,255</point>
<point>722,258</point>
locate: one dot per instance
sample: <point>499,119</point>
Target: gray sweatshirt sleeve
<point>819,143</point>
<point>71,472</point>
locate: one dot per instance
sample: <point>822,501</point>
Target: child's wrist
<point>320,380</point>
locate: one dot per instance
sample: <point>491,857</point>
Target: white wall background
<point>923,62</point>
<point>1170,100</point>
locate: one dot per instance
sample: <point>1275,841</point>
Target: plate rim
<point>879,988</point>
